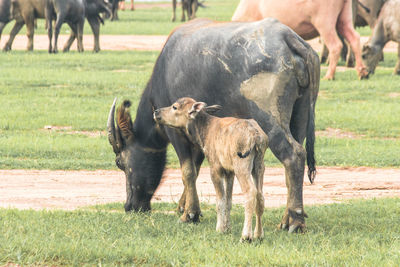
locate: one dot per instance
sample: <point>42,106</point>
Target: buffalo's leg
<point>397,68</point>
<point>346,29</point>
<point>95,26</point>
<point>14,31</point>
<point>71,38</point>
<point>190,159</point>
<point>2,25</point>
<point>193,10</point>
<point>80,34</point>
<point>57,27</point>
<point>173,10</point>
<point>30,30</point>
<point>185,7</point>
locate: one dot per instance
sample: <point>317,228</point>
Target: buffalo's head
<point>142,165</point>
<point>371,55</point>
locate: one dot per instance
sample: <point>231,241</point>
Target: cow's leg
<point>14,31</point>
<point>397,68</point>
<point>71,38</point>
<point>190,159</point>
<point>173,10</point>
<point>346,29</point>
<point>258,178</point>
<point>243,174</point>
<point>95,26</point>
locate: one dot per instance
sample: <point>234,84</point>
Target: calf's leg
<point>243,174</point>
<point>258,177</point>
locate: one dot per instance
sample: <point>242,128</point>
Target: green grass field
<point>356,233</point>
<point>74,92</point>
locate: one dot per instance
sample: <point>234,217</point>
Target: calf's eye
<point>174,107</point>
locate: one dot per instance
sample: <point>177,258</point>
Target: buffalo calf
<point>233,147</point>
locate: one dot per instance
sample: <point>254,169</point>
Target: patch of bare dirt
<point>68,130</point>
<point>68,190</point>
<point>135,42</point>
<point>338,133</point>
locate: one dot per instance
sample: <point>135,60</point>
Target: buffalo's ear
<point>124,122</point>
<point>196,108</point>
<point>366,48</point>
<point>212,109</point>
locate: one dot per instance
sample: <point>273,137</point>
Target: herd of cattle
<point>256,68</point>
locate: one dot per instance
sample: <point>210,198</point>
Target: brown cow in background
<point>309,19</point>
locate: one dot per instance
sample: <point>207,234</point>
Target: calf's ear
<point>212,109</point>
<point>195,109</point>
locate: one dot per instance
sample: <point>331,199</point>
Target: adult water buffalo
<point>25,12</point>
<point>387,28</point>
<point>310,18</point>
<point>5,14</point>
<point>260,70</point>
<point>93,8</point>
<point>69,11</point>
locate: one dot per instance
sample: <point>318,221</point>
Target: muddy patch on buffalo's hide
<point>261,88</point>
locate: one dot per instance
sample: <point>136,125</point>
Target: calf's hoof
<point>293,221</point>
<point>363,73</point>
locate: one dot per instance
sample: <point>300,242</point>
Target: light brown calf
<point>233,147</point>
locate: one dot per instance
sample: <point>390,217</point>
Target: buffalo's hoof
<point>7,48</point>
<point>190,217</point>
<point>363,73</point>
<point>293,221</point>
<point>396,72</point>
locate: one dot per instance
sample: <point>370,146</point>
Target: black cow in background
<point>93,9</point>
<point>5,14</point>
<point>261,70</point>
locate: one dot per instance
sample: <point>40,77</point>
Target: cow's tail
<point>311,59</point>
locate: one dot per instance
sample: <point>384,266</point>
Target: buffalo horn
<point>111,129</point>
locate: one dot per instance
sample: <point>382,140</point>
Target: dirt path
<point>37,189</point>
<point>129,42</point>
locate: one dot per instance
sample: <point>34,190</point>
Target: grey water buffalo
<point>93,9</point>
<point>387,28</point>
<point>309,19</point>
<point>188,6</point>
<point>233,147</point>
<point>69,11</point>
<point>261,70</point>
<point>5,14</point>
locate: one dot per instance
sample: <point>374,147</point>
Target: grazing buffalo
<point>233,147</point>
<point>387,28</point>
<point>261,70</point>
<point>93,8</point>
<point>69,11</point>
<point>310,18</point>
<point>5,14</point>
<point>190,6</point>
